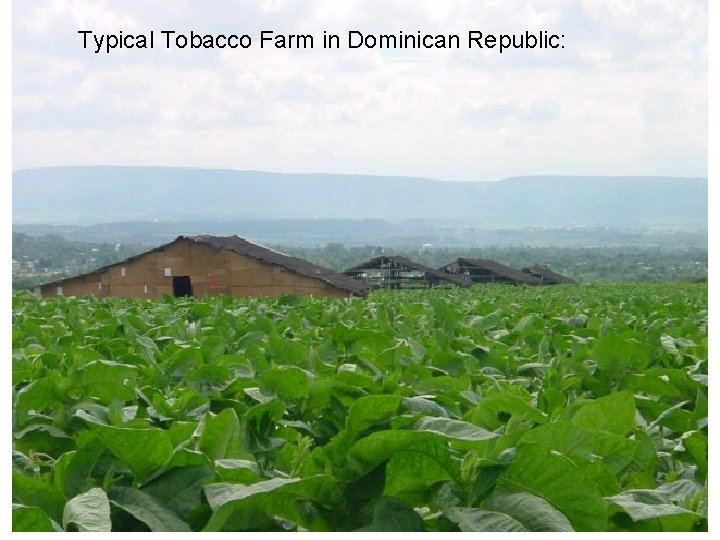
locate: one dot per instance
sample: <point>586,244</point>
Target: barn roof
<point>547,275</point>
<point>404,262</point>
<point>243,247</point>
<point>498,269</point>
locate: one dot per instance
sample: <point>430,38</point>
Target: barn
<point>208,265</point>
<point>488,271</point>
<point>547,276</point>
<point>397,272</point>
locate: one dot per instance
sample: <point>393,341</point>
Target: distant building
<point>396,272</point>
<point>16,267</point>
<point>208,265</point>
<point>488,271</point>
<point>547,276</point>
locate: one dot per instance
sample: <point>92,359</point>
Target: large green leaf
<point>148,509</point>
<point>614,413</point>
<point>43,438</point>
<point>32,519</point>
<point>618,356</point>
<point>412,476</point>
<point>89,512</point>
<point>554,477</point>
<point>454,429</point>
<point>78,472</point>
<point>209,380</point>
<point>371,411</point>
<point>569,439</point>
<point>37,396</point>
<point>106,380</point>
<point>645,505</point>
<point>287,382</point>
<point>535,513</point>
<point>369,452</point>
<point>482,520</point>
<point>487,413</point>
<point>508,511</point>
<point>392,515</point>
<point>34,491</point>
<point>221,437</point>
<point>239,507</point>
<point>180,488</point>
<point>144,451</point>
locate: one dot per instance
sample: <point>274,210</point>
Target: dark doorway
<point>182,286</point>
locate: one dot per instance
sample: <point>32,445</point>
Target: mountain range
<point>88,195</point>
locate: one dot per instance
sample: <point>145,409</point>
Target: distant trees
<point>588,265</point>
<point>43,258</point>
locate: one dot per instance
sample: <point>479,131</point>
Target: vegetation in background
<point>40,259</point>
<point>493,408</point>
<point>588,265</point>
<point>55,258</point>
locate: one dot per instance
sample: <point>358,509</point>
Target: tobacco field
<point>495,408</point>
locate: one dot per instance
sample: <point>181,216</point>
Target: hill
<point>103,194</point>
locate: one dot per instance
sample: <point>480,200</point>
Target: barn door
<point>182,286</point>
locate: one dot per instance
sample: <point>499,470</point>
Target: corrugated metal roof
<point>498,269</point>
<point>547,274</point>
<point>404,262</point>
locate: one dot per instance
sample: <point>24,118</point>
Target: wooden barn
<point>488,271</point>
<point>208,265</point>
<point>547,276</point>
<point>398,272</point>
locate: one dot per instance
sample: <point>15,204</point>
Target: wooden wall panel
<point>211,272</point>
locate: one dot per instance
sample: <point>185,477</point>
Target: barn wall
<point>212,272</point>
<point>84,285</point>
<point>250,277</point>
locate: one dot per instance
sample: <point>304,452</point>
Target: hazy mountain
<point>103,194</point>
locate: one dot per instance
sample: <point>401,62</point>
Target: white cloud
<point>628,94</point>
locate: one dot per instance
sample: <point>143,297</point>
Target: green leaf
<point>209,380</point>
<point>32,519</point>
<point>370,451</point>
<point>647,504</point>
<point>287,382</point>
<point>39,395</point>
<point>33,491</point>
<point>106,380</point>
<point>221,437</point>
<point>146,508</point>
<point>454,429</point>
<point>238,507</point>
<point>180,488</point>
<point>42,438</point>
<point>481,520</point>
<point>144,451</point>
<point>486,413</point>
<point>238,471</point>
<point>614,413</point>
<point>392,515</point>
<point>89,512</point>
<point>696,444</point>
<point>554,477</point>
<point>412,476</point>
<point>371,411</point>
<point>535,513</point>
<point>617,356</point>
<point>79,470</point>
<point>508,511</point>
<point>424,406</point>
<point>564,437</point>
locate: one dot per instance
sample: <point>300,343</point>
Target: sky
<point>627,95</point>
